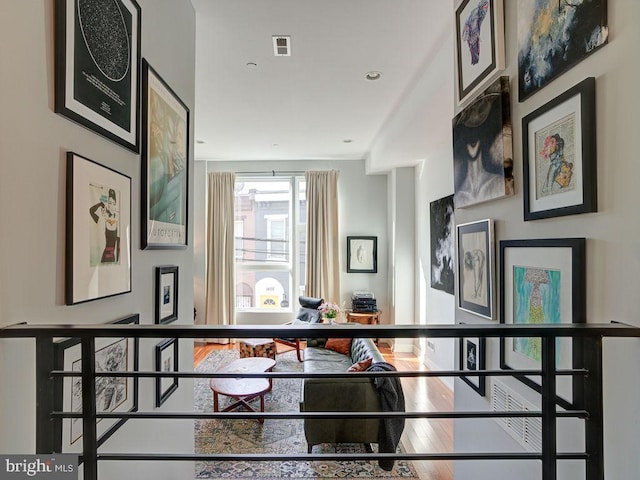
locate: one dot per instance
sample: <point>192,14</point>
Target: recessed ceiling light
<point>200,141</point>
<point>373,75</point>
<point>252,64</point>
<point>275,145</point>
<point>347,140</point>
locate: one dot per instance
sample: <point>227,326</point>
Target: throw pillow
<point>361,366</point>
<point>340,345</point>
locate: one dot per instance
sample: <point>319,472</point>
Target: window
<point>239,237</point>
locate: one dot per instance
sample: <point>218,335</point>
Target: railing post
<point>45,441</point>
<point>549,437</point>
<point>89,431</point>
<point>594,431</point>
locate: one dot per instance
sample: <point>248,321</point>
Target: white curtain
<point>220,287</point>
<point>323,262</point>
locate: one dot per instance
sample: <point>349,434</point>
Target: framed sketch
<point>362,254</point>
<point>482,148</point>
<point>166,361</point>
<point>479,27</point>
<point>98,225</point>
<point>166,294</point>
<point>113,394</point>
<point>559,153</point>
<point>475,268</point>
<point>442,251</point>
<point>165,164</point>
<point>472,358</point>
<point>555,36</point>
<point>97,67</point>
<point>543,281</point>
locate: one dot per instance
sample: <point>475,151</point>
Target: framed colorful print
<point>165,164</point>
<point>166,294</point>
<point>98,225</point>
<point>555,36</point>
<point>113,394</point>
<point>472,358</point>
<point>442,226</point>
<point>482,148</point>
<point>166,361</point>
<point>97,67</point>
<point>362,254</point>
<point>479,44</point>
<point>543,281</point>
<point>475,267</point>
<point>559,154</point>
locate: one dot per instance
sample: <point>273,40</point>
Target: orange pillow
<point>340,345</point>
<point>361,366</point>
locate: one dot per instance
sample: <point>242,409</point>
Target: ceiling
<point>316,103</point>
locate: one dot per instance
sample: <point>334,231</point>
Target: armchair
<point>309,313</point>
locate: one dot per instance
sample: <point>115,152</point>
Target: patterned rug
<point>274,436</point>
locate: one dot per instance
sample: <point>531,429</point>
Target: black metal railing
<point>587,402</point>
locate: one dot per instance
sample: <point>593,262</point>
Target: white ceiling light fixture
<point>373,75</point>
<point>281,45</point>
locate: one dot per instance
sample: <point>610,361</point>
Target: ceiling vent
<point>282,45</point>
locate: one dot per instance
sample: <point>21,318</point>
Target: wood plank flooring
<point>421,394</point>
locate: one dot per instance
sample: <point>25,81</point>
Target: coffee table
<point>243,390</point>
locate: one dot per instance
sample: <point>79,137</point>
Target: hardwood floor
<point>421,394</point>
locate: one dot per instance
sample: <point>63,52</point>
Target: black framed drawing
<point>97,67</point>
<point>362,254</point>
<point>472,358</point>
<point>98,225</point>
<point>479,45</point>
<point>165,164</point>
<point>543,281</point>
<point>113,394</point>
<point>442,228</point>
<point>555,36</point>
<point>166,361</point>
<point>166,294</point>
<point>475,267</point>
<point>559,154</point>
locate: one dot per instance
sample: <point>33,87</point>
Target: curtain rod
<point>273,172</point>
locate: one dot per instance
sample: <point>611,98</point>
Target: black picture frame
<point>98,226</point>
<point>166,294</point>
<point>165,164</point>
<point>558,265</point>
<point>166,360</point>
<point>441,233</point>
<point>101,95</point>
<point>362,254</point>
<point>560,137</point>
<point>472,357</point>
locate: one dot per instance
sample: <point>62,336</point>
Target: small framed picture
<point>166,294</point>
<point>472,358</point>
<point>166,361</point>
<point>559,154</point>
<point>362,254</point>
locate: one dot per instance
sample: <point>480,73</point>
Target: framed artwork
<point>472,358</point>
<point>113,394</point>
<point>98,225</point>
<point>559,153</point>
<point>543,281</point>
<point>475,268</point>
<point>97,67</point>
<point>362,254</point>
<point>482,148</point>
<point>165,164</point>
<point>555,36</point>
<point>479,44</point>
<point>166,294</point>
<point>166,361</point>
<point>442,251</point>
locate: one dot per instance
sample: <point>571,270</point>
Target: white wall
<point>33,144</point>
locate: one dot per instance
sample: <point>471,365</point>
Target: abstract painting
<point>442,249</point>
<point>475,267</point>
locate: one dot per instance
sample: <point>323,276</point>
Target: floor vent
<point>526,431</point>
<point>281,45</point>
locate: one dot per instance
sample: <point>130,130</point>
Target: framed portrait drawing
<point>166,361</point>
<point>362,254</point>
<point>543,281</point>
<point>97,67</point>
<point>479,27</point>
<point>559,154</point>
<point>166,294</point>
<point>482,148</point>
<point>475,268</point>
<point>98,225</point>
<point>555,36</point>
<point>442,226</point>
<point>472,358</point>
<point>165,164</point>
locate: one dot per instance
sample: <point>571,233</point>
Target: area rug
<point>278,436</point>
